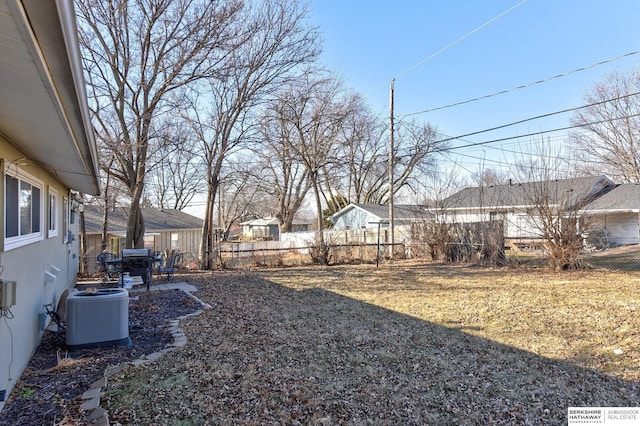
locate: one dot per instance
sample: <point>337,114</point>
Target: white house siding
<point>355,219</point>
<point>521,225</point>
<point>188,240</point>
<point>464,217</point>
<point>20,334</point>
<point>615,229</point>
<point>516,224</point>
<point>353,236</point>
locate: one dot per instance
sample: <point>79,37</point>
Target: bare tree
<point>365,153</point>
<point>555,200</point>
<point>275,41</point>
<point>175,173</point>
<point>610,127</point>
<point>311,112</point>
<point>415,148</point>
<point>136,54</point>
<point>366,156</point>
<point>489,177</point>
<point>283,176</point>
<point>240,194</point>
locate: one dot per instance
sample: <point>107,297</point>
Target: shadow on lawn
<point>268,353</point>
<point>453,376</point>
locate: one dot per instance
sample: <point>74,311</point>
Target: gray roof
<point>570,192</point>
<point>400,211</point>
<point>154,219</point>
<point>272,221</point>
<point>623,198</point>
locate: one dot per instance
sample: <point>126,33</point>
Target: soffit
<point>40,107</point>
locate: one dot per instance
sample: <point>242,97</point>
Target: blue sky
<point>370,42</point>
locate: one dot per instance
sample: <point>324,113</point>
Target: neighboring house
<point>300,225</point>
<point>614,218</point>
<point>165,229</point>
<point>360,216</point>
<point>368,218</point>
<point>47,150</point>
<point>269,228</point>
<point>515,204</point>
<point>261,229</point>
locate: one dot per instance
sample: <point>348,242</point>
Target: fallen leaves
<point>49,390</point>
<point>320,347</point>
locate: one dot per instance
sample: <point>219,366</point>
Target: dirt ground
<point>48,393</point>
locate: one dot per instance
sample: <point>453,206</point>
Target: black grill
<point>138,262</point>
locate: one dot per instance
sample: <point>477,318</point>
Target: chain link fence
<point>625,258</point>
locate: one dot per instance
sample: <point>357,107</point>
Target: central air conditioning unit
<point>99,318</point>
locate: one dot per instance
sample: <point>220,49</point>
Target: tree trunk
<point>103,230</point>
<point>135,228</point>
<point>206,242</point>
<point>322,251</point>
<point>320,220</point>
<point>286,225</point>
<point>135,223</point>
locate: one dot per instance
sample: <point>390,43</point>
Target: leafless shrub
<point>320,252</point>
<point>481,242</point>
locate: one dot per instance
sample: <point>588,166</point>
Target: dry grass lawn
<point>399,344</point>
<point>582,316</point>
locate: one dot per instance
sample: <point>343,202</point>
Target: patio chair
<point>107,269</point>
<point>170,265</point>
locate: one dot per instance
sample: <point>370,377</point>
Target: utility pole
<point>391,159</point>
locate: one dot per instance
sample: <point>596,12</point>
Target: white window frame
<point>53,213</point>
<point>22,240</point>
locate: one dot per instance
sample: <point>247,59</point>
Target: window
<point>174,241</point>
<point>150,242</point>
<point>53,214</point>
<point>23,212</point>
<point>116,245</point>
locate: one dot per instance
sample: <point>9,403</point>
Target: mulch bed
<point>48,393</point>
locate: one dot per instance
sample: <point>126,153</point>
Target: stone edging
<point>91,398</point>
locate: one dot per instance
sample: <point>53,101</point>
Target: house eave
<point>42,97</point>
<point>605,211</point>
<point>487,208</point>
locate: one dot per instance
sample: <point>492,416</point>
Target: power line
<point>530,134</point>
<point>523,86</point>
<point>502,163</point>
<point>450,45</point>
<point>505,166</point>
<point>457,163</point>
<point>505,162</point>
<point>547,115</point>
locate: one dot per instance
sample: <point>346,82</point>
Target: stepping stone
<point>91,393</point>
